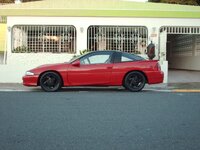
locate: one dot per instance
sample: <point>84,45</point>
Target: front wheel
<point>134,81</point>
<point>50,82</point>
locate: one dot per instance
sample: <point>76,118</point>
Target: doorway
<point>182,53</point>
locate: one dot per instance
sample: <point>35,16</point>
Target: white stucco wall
<point>17,63</point>
<point>1,57</point>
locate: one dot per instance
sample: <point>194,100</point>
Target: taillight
<point>157,67</point>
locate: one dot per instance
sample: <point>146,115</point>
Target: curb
<point>170,89</point>
<point>186,90</point>
<point>13,90</point>
<point>158,90</point>
<point>31,90</point>
<point>150,90</point>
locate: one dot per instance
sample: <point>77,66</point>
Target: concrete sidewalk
<point>176,87</point>
<point>15,87</point>
<point>170,87</point>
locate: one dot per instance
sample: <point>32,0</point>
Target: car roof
<point>118,51</point>
<point>99,51</point>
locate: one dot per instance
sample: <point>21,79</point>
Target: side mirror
<point>76,63</point>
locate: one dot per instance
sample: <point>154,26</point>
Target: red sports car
<point>100,68</point>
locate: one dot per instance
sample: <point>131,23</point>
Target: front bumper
<point>30,80</point>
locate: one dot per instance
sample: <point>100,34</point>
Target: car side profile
<point>99,68</point>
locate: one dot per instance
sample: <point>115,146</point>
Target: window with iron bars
<point>43,38</point>
<point>131,39</point>
<point>3,19</point>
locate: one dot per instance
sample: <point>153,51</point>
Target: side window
<point>124,59</point>
<point>96,59</point>
<point>127,57</point>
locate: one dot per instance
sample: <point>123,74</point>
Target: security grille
<point>129,39</point>
<point>180,30</point>
<point>184,40</point>
<point>3,19</point>
<point>198,45</point>
<point>55,39</point>
<point>181,45</point>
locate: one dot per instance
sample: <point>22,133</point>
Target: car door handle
<point>109,67</point>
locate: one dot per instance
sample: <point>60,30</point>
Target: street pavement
<point>99,119</point>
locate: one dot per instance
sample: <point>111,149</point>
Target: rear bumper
<point>155,77</point>
<point>30,80</point>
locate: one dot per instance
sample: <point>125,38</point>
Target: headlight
<point>28,73</point>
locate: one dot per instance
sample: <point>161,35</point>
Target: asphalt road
<point>99,120</point>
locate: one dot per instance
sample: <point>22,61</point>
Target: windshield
<point>75,58</point>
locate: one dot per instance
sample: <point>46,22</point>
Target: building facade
<point>57,34</point>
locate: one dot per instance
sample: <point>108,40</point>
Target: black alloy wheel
<point>134,81</point>
<point>50,82</point>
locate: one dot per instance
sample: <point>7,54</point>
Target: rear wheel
<point>50,82</point>
<point>134,81</point>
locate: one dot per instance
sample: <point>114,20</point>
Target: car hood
<point>55,67</point>
<point>51,65</point>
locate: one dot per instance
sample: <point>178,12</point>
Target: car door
<point>94,69</point>
<point>123,63</point>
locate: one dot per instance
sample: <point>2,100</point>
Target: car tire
<point>50,81</point>
<point>134,81</point>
